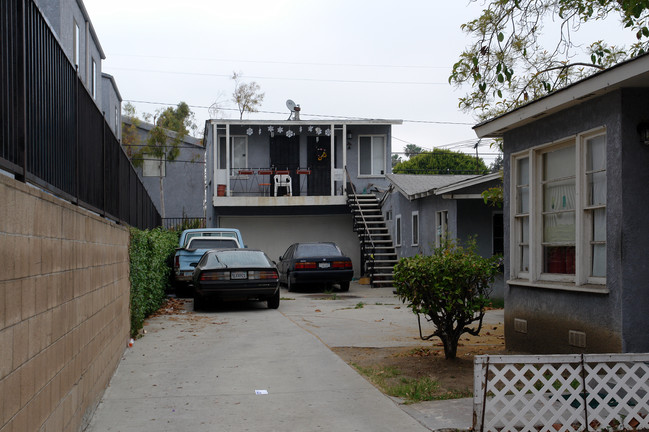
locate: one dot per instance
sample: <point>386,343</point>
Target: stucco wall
<point>614,321</point>
<point>64,308</point>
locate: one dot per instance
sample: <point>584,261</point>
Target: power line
<point>346,81</point>
<point>303,114</point>
<point>389,66</point>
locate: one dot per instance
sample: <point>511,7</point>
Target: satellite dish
<point>290,105</point>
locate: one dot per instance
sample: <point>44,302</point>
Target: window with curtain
<point>371,155</point>
<point>558,217</point>
<point>238,152</point>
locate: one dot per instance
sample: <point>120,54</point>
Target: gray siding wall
<point>112,105</point>
<point>184,182</point>
<point>615,321</point>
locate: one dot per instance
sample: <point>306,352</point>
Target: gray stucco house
<point>282,182</point>
<point>425,210</point>
<point>70,22</point>
<point>576,197</point>
<point>183,178</point>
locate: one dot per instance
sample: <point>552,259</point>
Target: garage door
<point>274,234</point>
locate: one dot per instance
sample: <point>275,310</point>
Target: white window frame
<point>234,171</point>
<point>414,219</point>
<point>93,79</point>
<point>384,167</point>
<point>397,230</point>
<point>76,44</point>
<point>581,280</point>
<point>441,227</point>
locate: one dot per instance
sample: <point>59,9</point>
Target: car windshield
<point>316,249</point>
<point>227,234</point>
<point>215,243</point>
<point>238,258</point>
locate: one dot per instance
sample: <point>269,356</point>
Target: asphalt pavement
<point>248,368</point>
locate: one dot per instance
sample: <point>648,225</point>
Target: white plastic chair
<point>283,180</point>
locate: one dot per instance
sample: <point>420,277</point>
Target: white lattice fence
<point>589,392</point>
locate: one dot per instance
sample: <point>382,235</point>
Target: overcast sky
<point>350,58</point>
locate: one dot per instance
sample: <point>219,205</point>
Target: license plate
<point>324,265</point>
<point>239,275</point>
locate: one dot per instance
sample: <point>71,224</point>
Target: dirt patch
<point>455,377</point>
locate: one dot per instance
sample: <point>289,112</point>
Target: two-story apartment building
<point>281,182</point>
<point>70,22</point>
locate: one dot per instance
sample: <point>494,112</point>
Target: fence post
<point>21,102</point>
<point>584,392</point>
<point>76,136</point>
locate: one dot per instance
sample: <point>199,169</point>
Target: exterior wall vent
<point>520,325</point>
<point>577,338</point>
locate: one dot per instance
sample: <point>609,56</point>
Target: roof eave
<point>632,73</point>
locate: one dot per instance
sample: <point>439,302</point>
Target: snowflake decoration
<point>259,131</point>
<point>300,129</point>
<point>249,131</point>
<point>310,128</point>
<point>280,129</point>
<point>318,130</point>
<point>271,129</point>
<point>290,133</point>
<point>328,132</point>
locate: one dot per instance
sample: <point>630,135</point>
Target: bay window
<point>558,217</point>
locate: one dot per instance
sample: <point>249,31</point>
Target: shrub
<point>451,288</point>
<point>150,271</point>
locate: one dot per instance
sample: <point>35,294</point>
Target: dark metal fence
<point>51,132</point>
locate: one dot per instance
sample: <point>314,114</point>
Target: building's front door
<point>285,155</point>
<point>319,160</point>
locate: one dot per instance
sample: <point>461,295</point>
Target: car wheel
<point>199,302</point>
<point>289,285</point>
<point>344,286</point>
<point>273,301</point>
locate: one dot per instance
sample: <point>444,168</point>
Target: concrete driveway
<point>247,368</point>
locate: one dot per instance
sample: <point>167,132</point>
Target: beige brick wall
<point>64,309</point>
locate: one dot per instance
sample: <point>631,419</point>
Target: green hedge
<point>150,271</point>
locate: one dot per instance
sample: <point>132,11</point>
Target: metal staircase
<point>378,255</point>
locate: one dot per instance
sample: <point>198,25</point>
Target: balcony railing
<point>269,182</point>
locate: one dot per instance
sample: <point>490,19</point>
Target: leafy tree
<point>441,161</point>
<point>246,95</point>
<point>412,150</point>
<point>395,159</point>
<point>451,288</point>
<point>508,63</point>
<point>162,143</point>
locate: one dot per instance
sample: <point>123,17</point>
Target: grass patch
<point>496,303</point>
<point>359,305</point>
<point>286,298</point>
<point>389,380</point>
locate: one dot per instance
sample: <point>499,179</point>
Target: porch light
<point>643,130</point>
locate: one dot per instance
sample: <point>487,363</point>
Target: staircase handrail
<point>358,206</point>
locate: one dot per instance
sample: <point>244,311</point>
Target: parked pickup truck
<point>192,245</point>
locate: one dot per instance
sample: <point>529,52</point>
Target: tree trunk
<point>162,194</point>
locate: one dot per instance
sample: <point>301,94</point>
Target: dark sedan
<point>315,263</point>
<point>236,274</point>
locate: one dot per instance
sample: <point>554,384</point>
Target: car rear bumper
<point>236,291</point>
<point>321,276</point>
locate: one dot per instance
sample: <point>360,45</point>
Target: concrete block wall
<point>64,309</point>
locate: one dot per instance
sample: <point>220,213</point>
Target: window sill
<point>562,286</point>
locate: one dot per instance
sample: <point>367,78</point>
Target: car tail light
<point>263,274</point>
<point>341,264</point>
<point>215,276</point>
<point>177,262</point>
<point>304,265</point>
